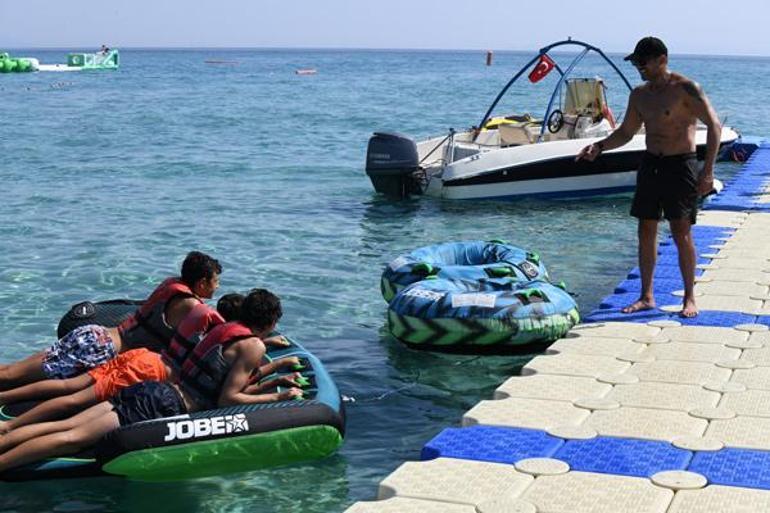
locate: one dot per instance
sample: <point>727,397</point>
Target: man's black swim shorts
<point>667,187</point>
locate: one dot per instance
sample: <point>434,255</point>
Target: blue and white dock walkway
<point>642,413</point>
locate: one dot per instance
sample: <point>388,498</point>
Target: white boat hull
<point>544,169</point>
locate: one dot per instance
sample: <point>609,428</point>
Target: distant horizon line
<point>342,48</point>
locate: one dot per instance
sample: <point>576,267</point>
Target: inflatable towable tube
<point>487,312</point>
<point>470,261</point>
<point>225,440</point>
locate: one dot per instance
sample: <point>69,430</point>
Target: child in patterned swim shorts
<point>107,381</point>
<point>79,350</point>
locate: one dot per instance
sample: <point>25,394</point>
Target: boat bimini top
<point>584,96</point>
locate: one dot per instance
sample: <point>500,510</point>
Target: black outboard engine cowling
<point>391,163</point>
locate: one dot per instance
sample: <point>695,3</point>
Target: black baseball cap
<point>647,48</point>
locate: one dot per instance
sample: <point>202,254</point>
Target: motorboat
<point>518,155</point>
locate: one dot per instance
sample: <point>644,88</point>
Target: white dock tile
<point>598,346</point>
<point>755,276</point>
<point>739,253</point>
<point>721,303</point>
<point>553,387</point>
<point>702,334</point>
<point>721,499</point>
<point>758,356</point>
<point>525,413</point>
<point>720,218</point>
<point>672,371</point>
<point>646,423</point>
<point>586,492</point>
<point>455,481</point>
<point>751,402</point>
<point>627,330</point>
<point>730,288</point>
<point>406,505</point>
<point>757,378</point>
<point>750,232</point>
<point>679,480</point>
<point>762,337</point>
<point>691,352</point>
<point>742,431</point>
<point>666,396</point>
<point>745,262</point>
<point>575,364</point>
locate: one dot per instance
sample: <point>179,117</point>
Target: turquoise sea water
<point>110,178</point>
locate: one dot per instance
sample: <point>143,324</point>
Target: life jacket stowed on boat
<point>148,327</point>
<point>199,321</point>
<point>205,369</point>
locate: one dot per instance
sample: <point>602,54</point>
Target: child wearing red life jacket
<point>152,326</point>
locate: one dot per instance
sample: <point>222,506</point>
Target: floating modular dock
<point>640,413</point>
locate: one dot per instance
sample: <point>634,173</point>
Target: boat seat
<point>515,135</point>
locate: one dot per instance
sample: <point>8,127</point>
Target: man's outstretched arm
<point>632,122</point>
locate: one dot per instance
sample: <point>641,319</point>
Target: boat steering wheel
<point>555,121</point>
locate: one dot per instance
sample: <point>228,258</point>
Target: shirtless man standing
<point>667,184</point>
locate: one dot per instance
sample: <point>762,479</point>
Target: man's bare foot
<point>638,306</point>
<point>689,310</point>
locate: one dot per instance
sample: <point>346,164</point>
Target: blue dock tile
<point>620,300</point>
<point>715,231</point>
<point>716,318</point>
<point>662,286</point>
<point>704,318</point>
<point>664,272</point>
<point>615,315</point>
<point>734,467</point>
<point>672,258</point>
<point>488,443</point>
<point>762,319</point>
<point>623,456</point>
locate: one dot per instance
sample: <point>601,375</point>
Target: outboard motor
<point>391,163</point>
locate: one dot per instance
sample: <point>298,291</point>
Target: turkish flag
<point>541,69</point>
